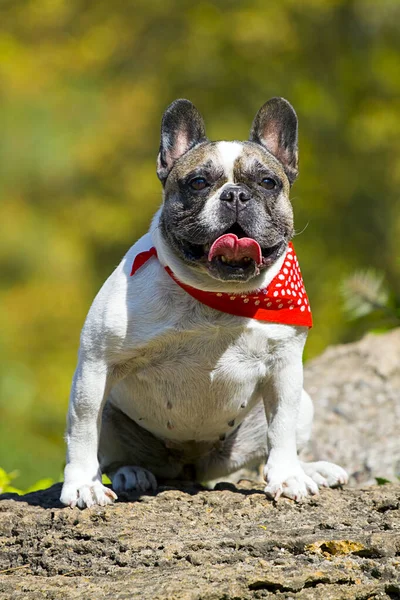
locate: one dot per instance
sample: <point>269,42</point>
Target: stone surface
<point>356,393</point>
<point>232,543</point>
<point>192,544</point>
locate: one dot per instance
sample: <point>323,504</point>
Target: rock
<point>231,543</point>
<point>356,393</point>
<point>195,544</point>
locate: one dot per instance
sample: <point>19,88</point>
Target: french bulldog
<point>190,361</point>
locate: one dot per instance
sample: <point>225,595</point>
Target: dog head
<point>226,209</point>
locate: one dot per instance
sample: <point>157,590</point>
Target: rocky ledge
<point>189,543</point>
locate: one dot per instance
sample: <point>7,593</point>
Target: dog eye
<point>268,183</point>
<point>198,183</point>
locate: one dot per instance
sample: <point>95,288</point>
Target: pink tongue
<point>234,248</point>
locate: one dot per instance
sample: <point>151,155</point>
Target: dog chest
<point>199,384</point>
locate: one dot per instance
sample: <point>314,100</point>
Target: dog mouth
<point>235,255</point>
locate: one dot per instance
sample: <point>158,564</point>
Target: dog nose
<point>235,194</point>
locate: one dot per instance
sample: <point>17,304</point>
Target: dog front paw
<point>288,480</point>
<point>86,495</point>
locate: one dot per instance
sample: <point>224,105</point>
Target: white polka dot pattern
<point>287,283</point>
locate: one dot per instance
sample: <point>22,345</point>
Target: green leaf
<point>42,484</point>
<point>7,478</point>
<point>382,480</point>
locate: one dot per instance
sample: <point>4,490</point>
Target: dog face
<point>226,205</point>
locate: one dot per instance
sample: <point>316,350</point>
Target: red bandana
<point>283,301</point>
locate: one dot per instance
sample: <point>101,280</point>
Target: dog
<point>190,361</point>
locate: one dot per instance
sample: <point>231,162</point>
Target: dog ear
<point>182,128</point>
<point>275,128</point>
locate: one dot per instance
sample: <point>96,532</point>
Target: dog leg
<point>283,471</point>
<point>82,476</point>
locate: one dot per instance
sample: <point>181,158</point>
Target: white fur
<point>227,153</point>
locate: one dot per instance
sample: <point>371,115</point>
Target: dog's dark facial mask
<point>226,204</point>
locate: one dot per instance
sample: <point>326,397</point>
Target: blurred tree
<point>83,86</point>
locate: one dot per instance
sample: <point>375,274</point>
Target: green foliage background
<point>83,86</point>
